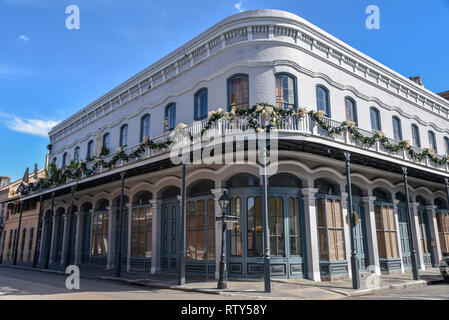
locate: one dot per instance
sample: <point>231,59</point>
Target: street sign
<point>227,218</point>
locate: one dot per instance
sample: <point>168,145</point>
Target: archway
<point>170,212</point>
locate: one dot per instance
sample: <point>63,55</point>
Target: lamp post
<point>266,226</point>
<point>224,202</point>
<point>410,227</point>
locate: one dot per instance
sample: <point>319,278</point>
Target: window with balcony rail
<point>397,129</point>
<point>322,100</point>
<point>90,149</point>
<point>106,144</point>
<point>76,154</point>
<point>446,145</point>
<point>351,110</point>
<point>144,126</point>
<point>432,141</point>
<point>415,136</point>
<point>286,91</point>
<point>200,105</point>
<point>375,119</point>
<point>64,160</point>
<point>170,117</point>
<point>238,92</point>
<point>124,135</point>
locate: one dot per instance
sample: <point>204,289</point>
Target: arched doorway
<point>424,232</point>
<point>124,242</point>
<point>170,212</point>
<point>200,228</point>
<point>331,236</point>
<point>59,234</point>
<point>141,232</point>
<point>386,231</point>
<point>100,233</point>
<point>442,215</point>
<point>360,228</point>
<point>71,235</point>
<point>285,218</point>
<point>404,231</point>
<point>46,238</point>
<point>86,224</point>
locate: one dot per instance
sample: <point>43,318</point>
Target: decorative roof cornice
<point>248,26</point>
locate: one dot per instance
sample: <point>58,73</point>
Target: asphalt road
<point>17,284</point>
<point>438,291</point>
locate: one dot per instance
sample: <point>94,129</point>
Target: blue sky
<point>47,72</point>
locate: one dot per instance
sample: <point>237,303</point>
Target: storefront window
<point>200,230</point>
<point>294,227</point>
<point>100,223</point>
<point>236,232</point>
<point>330,230</point>
<point>255,245</point>
<point>443,231</point>
<point>386,232</point>
<point>276,225</point>
<point>141,232</point>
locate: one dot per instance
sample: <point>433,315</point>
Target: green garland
<point>261,117</point>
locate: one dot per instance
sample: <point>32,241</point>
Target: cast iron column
<point>39,232</point>
<point>68,236</point>
<point>446,180</point>
<point>266,229</point>
<point>16,245</point>
<point>181,241</point>
<point>49,232</point>
<point>410,228</point>
<point>354,265</point>
<point>118,256</point>
<point>222,279</point>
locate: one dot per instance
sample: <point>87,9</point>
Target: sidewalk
<point>282,289</point>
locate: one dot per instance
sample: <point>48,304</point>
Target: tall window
<point>446,145</point>
<point>64,160</point>
<point>422,215</point>
<point>236,232</point>
<point>124,135</point>
<point>76,154</point>
<point>375,119</point>
<point>30,243</point>
<point>443,231</point>
<point>276,225</point>
<point>141,231</point>
<point>351,110</point>
<point>330,230</point>
<point>200,109</point>
<point>255,244</point>
<point>397,129</point>
<point>200,230</point>
<point>285,91</point>
<point>100,223</point>
<point>90,149</point>
<point>22,244</point>
<point>145,126</point>
<point>106,144</point>
<point>432,141</point>
<point>170,117</point>
<point>294,227</point>
<point>415,136</point>
<point>322,100</point>
<point>386,232</point>
<point>238,92</point>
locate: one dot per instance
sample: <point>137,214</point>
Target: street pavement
<point>18,284</point>
<point>438,291</point>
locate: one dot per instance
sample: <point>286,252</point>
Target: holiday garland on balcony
<point>261,117</point>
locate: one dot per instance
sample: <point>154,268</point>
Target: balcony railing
<point>292,124</point>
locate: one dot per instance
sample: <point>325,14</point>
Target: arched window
<point>415,136</point>
<point>238,92</point>
<point>286,91</point>
<point>90,149</point>
<point>124,135</point>
<point>144,126</point>
<point>446,144</point>
<point>351,110</point>
<point>397,128</point>
<point>322,100</point>
<point>64,160</point>
<point>105,148</point>
<point>170,117</point>
<point>200,105</point>
<point>432,141</point>
<point>76,154</point>
<point>375,119</point>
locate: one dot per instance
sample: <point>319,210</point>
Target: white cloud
<point>24,38</point>
<point>238,6</point>
<point>30,126</point>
